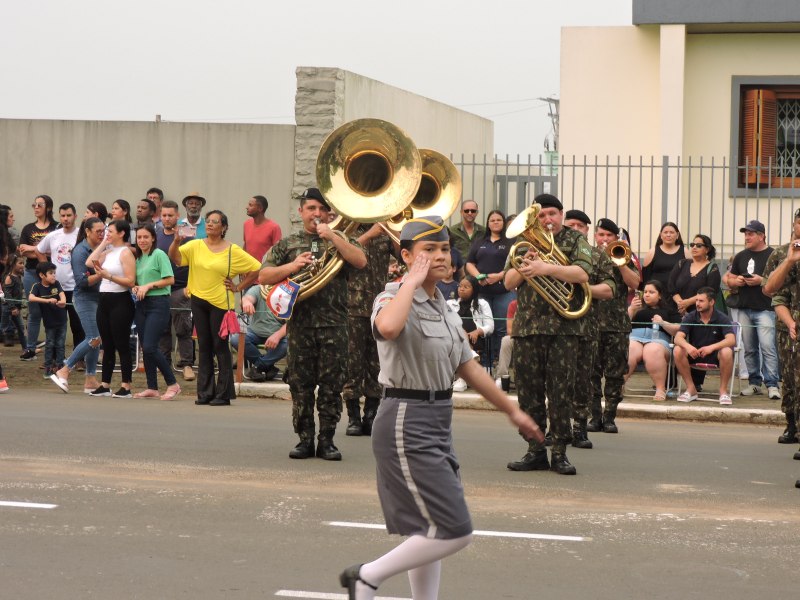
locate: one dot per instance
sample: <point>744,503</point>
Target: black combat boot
<point>548,438</point>
<point>353,417</point>
<point>796,455</point>
<point>370,410</point>
<point>609,426</point>
<point>561,465</point>
<point>325,448</point>
<point>595,424</point>
<point>789,436</point>
<point>533,460</point>
<point>579,437</point>
<point>305,449</point>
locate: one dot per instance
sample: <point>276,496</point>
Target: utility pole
<point>553,105</point>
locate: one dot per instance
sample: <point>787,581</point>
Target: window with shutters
<point>769,137</point>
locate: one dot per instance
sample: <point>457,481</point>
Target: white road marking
<point>506,534</point>
<point>324,596</point>
<point>26,504</point>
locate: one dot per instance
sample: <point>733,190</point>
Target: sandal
<point>146,394</point>
<point>660,395</point>
<point>725,399</point>
<point>687,397</point>
<point>350,577</point>
<point>171,392</point>
<point>61,383</point>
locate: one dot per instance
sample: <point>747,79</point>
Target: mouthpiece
<point>550,227</point>
<point>317,221</point>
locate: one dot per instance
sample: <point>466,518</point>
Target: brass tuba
<point>619,252</point>
<point>556,292</point>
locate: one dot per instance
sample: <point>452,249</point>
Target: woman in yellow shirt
<point>212,263</point>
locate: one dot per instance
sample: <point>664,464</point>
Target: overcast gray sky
<point>234,60</point>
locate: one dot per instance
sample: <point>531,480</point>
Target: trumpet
<point>619,252</point>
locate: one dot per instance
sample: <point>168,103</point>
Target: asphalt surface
<point>170,500</point>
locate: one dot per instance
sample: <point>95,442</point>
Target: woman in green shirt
<point>153,280</point>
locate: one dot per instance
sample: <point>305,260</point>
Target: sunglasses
<point>470,210</point>
<point>38,205</point>
<point>693,245</point>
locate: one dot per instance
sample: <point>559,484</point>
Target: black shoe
<point>561,465</point>
<point>220,402</point>
<point>354,417</point>
<point>610,427</point>
<point>788,436</point>
<point>796,484</point>
<point>273,373</point>
<point>370,411</point>
<point>354,426</point>
<point>202,401</point>
<point>531,461</point>
<point>123,393</point>
<point>9,341</point>
<point>255,375</point>
<point>28,355</point>
<point>326,450</point>
<point>548,439</point>
<point>796,456</point>
<point>305,449</point>
<point>579,437</point>
<point>595,425</point>
<point>101,391</point>
<point>349,577</point>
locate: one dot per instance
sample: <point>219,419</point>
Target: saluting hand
<point>418,271</point>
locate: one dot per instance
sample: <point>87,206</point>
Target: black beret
<point>548,200</point>
<point>314,194</point>
<point>578,215</point>
<point>608,225</point>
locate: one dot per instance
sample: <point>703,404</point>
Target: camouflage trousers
<point>789,373</point>
<point>316,357</point>
<point>362,361</point>
<point>545,367</point>
<point>611,363</point>
<point>584,390</point>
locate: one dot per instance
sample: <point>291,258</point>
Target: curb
<point>667,412</point>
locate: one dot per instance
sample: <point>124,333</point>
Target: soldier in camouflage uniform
<point>317,330</point>
<point>362,360</point>
<point>611,360</point>
<point>603,286</point>
<point>783,299</point>
<point>546,345</point>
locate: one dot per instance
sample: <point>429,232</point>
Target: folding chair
<point>640,368</point>
<point>710,368</point>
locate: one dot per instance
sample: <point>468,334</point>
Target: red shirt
<point>259,239</point>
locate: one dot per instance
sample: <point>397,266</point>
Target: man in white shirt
<point>58,246</point>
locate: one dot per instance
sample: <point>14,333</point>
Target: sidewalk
<point>753,409</point>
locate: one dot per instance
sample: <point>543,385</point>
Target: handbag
<point>230,324</point>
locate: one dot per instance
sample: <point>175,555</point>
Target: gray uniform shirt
<point>430,348</point>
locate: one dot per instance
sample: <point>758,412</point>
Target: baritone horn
<point>619,252</point>
<point>560,295</point>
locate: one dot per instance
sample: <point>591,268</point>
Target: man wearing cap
<point>755,312</point>
<point>362,357</point>
<point>614,322</point>
<point>786,302</point>
<point>467,231</point>
<point>317,329</point>
<point>603,286</point>
<point>194,203</point>
<point>546,345</point>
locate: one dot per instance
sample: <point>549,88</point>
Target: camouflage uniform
<point>546,348</point>
<point>785,297</point>
<point>362,359</point>
<point>461,239</point>
<point>602,272</point>
<point>611,360</point>
<point>317,335</point>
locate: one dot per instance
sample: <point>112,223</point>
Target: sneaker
<point>273,373</point>
<point>255,375</point>
<point>122,393</point>
<point>459,385</point>
<point>188,373</point>
<point>101,391</point>
<point>774,393</point>
<point>499,383</point>
<point>750,390</point>
<point>3,386</point>
<point>28,355</point>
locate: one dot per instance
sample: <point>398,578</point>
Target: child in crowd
<point>12,307</point>
<point>48,293</point>
<point>449,286</point>
<point>476,319</point>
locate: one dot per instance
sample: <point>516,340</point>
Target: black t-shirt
<point>707,333</point>
<point>751,262</point>
<point>52,315</point>
<point>682,282</point>
<point>490,257</point>
<point>32,235</point>
<point>644,316</point>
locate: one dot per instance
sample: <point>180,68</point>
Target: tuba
<point>619,252</point>
<point>555,292</point>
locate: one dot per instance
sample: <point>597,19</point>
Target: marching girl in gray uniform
<point>421,346</point>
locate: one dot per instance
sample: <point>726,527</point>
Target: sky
<point>235,60</point>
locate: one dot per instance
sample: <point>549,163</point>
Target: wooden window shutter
<point>759,136</point>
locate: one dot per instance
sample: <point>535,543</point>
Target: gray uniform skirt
<point>418,475</point>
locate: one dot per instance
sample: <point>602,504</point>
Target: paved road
<point>169,500</point>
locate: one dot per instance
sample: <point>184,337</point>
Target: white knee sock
<point>425,581</point>
<point>417,551</point>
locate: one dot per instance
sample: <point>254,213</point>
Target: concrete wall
<point>722,12</point>
<point>100,161</point>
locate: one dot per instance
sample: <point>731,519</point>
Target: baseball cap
<point>755,226</point>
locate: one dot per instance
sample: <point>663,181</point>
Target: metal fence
<point>639,194</point>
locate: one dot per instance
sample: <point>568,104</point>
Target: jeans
<point>499,305</point>
<point>181,316</point>
<point>259,361</point>
<point>34,312</point>
<point>75,325</point>
<point>760,346</point>
<point>12,324</point>
<point>86,307</point>
<point>152,318</point>
<point>55,338</point>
